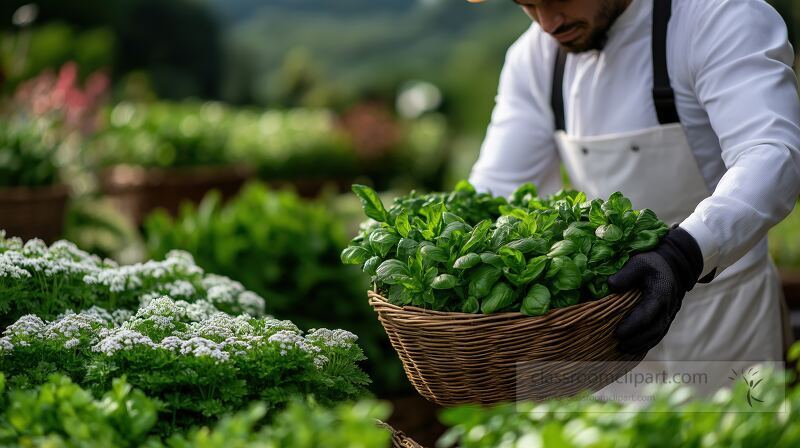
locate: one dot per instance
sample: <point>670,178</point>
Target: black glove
<point>664,275</point>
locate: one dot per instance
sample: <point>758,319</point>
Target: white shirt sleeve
<point>519,146</point>
<point>740,60</point>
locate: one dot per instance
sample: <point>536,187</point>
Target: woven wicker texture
<point>458,358</point>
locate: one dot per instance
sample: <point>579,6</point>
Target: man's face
<point>577,25</point>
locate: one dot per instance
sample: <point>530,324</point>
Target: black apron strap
<point>663,95</point>
<point>557,95</point>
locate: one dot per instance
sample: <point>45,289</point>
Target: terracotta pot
<point>137,191</point>
<point>33,212</point>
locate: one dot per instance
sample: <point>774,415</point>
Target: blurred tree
<point>177,43</point>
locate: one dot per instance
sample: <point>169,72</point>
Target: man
<point>689,108</point>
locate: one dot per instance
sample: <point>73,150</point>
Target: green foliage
<point>47,281</point>
<point>27,154</point>
<point>784,241</point>
<point>60,413</point>
<point>200,363</point>
<point>286,249</point>
<point>290,144</point>
<point>301,425</point>
<point>673,418</point>
<point>465,251</point>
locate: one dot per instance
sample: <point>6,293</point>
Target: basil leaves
<point>472,252</point>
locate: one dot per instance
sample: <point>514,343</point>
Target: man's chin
<point>595,42</point>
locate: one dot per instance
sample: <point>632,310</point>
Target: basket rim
<point>376,300</point>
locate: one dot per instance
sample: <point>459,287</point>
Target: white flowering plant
<point>199,362</point>
<point>47,281</point>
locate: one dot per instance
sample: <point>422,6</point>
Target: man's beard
<point>609,12</point>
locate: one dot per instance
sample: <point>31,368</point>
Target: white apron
<point>738,316</point>
<point>734,319</point>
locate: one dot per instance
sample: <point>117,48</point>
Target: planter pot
<point>33,212</point>
<point>137,191</point>
<point>311,188</point>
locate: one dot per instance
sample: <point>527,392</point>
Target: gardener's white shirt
<point>730,66</point>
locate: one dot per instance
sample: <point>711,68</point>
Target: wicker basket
<point>458,358</point>
<point>33,212</point>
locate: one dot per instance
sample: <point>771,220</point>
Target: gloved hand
<point>664,276</point>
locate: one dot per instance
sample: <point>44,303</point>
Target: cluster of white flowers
<point>223,290</point>
<point>221,326</point>
<point>63,258</point>
<point>71,325</point>
<point>118,339</point>
<point>288,340</point>
<point>332,338</point>
<point>27,326</point>
<point>6,345</point>
<point>202,347</point>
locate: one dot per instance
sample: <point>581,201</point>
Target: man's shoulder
<point>534,45</point>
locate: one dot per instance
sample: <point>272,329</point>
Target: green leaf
<point>354,255</point>
<point>400,296</point>
<point>391,271</point>
<point>525,245</point>
<point>370,202</point>
<point>402,225</point>
<point>382,241</point>
<point>536,302</point>
<point>406,248</point>
<point>477,236</point>
<point>492,259</point>
<point>647,220</point>
<point>512,259</point>
<point>562,248</point>
<point>434,214</point>
<point>434,253</point>
<point>501,296</point>
<point>450,218</point>
<point>469,260</point>
<point>568,276</point>
<point>581,261</point>
<point>444,281</point>
<point>524,194</point>
<point>472,305</point>
<point>465,186</point>
<point>371,265</point>
<point>563,299</point>
<point>597,217</point>
<point>601,251</point>
<point>482,280</point>
<point>609,232</point>
<point>644,241</point>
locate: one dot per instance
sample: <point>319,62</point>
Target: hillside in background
<point>337,51</point>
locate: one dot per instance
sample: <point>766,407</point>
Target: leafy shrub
<point>286,249</point>
<point>60,413</point>
<point>280,144</point>
<point>27,155</point>
<point>448,252</point>
<point>47,281</point>
<point>199,362</point>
